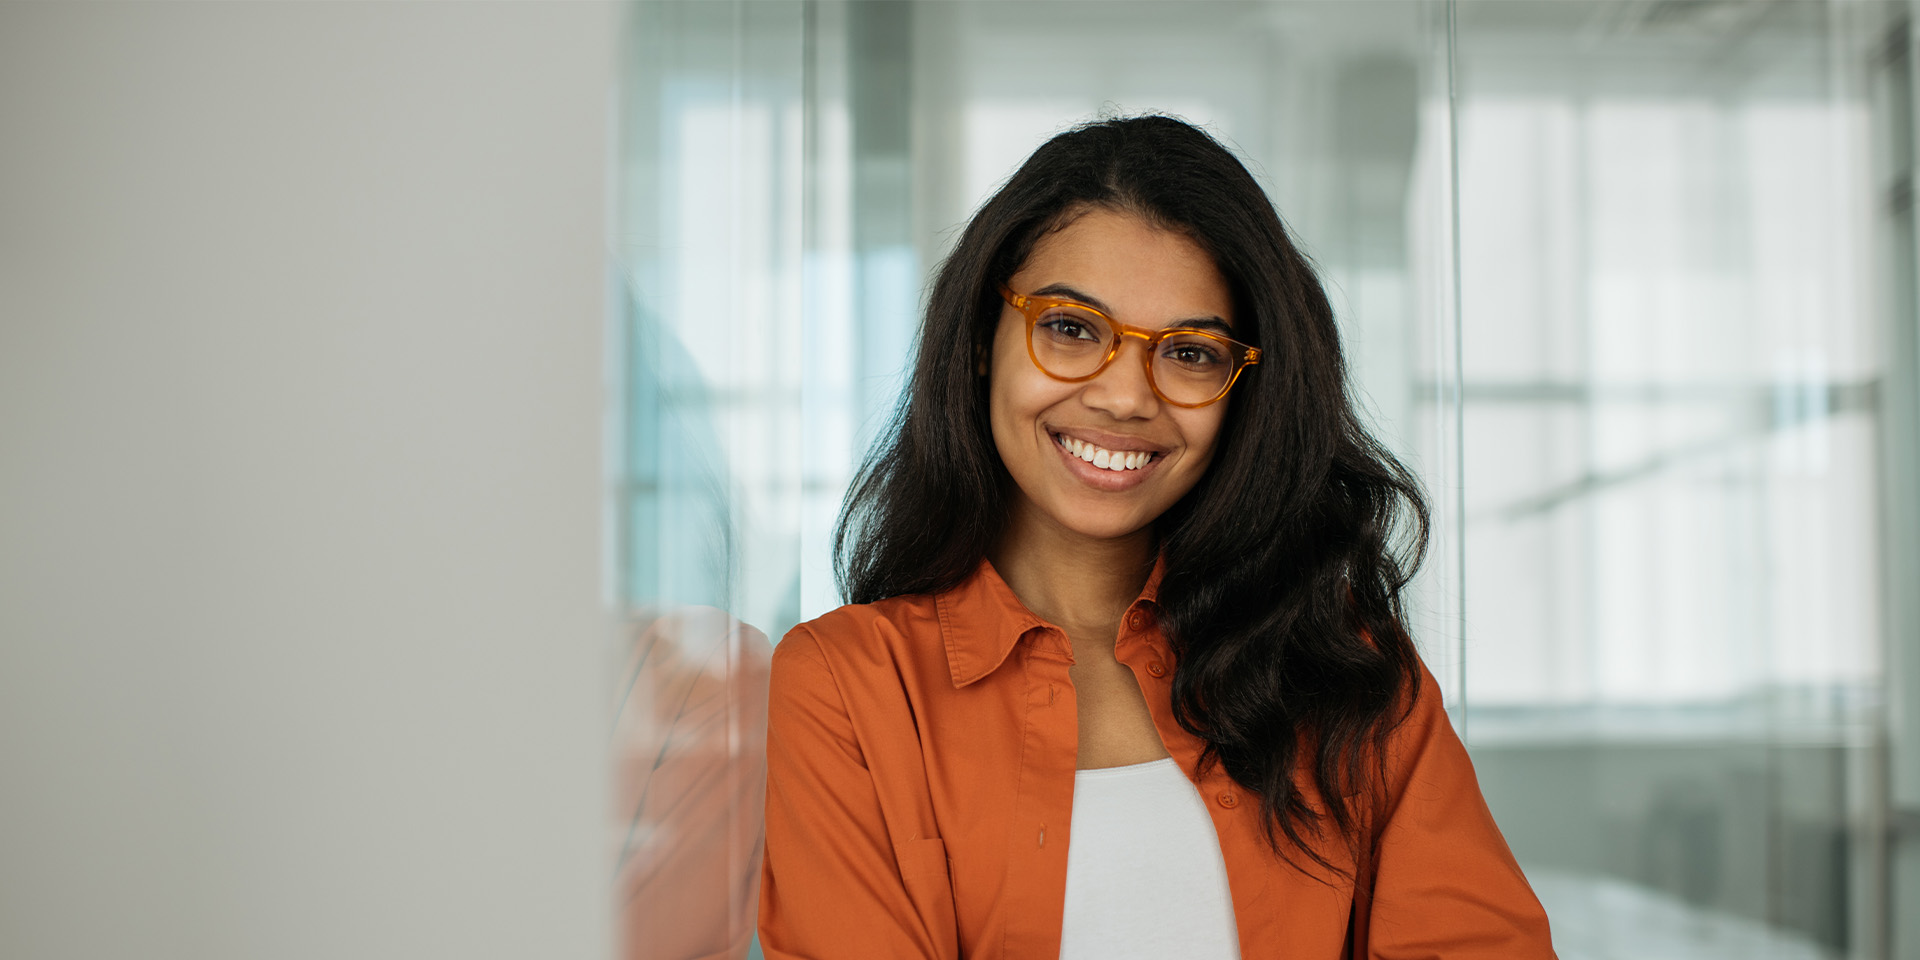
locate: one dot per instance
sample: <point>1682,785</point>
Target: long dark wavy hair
<point>1284,564</point>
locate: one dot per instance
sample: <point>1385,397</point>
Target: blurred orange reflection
<point>690,786</point>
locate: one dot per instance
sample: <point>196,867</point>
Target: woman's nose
<point>1124,389</point>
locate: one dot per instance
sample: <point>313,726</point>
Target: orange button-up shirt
<point>920,770</point>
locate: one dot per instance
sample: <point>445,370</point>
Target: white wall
<point>300,636</point>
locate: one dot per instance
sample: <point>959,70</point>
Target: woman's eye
<point>1070,328</point>
<point>1193,354</point>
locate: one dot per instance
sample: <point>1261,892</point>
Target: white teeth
<point>1106,459</point>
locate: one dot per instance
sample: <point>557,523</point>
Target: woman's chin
<point>1107,527</point>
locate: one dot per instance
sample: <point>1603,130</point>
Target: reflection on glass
<point>690,783</point>
<point>708,457</point>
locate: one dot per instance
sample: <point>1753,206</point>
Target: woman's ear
<point>980,360</point>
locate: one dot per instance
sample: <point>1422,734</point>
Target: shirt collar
<point>981,620</point>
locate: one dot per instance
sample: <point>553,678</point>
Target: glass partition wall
<point>1629,284</point>
<point>1672,352</point>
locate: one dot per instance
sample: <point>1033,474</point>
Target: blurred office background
<point>1630,283</point>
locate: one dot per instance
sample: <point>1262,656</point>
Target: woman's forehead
<point>1138,272</point>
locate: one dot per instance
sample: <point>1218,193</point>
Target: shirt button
<point>1157,669</point>
<point>1228,800</point>
<point>1137,620</point>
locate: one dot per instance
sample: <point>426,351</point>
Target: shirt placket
<point>1143,647</point>
<point>1038,835</point>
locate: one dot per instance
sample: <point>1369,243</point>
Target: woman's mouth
<point>1104,459</point>
<point>1103,468</point>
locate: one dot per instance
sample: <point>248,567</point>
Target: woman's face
<point>1139,275</point>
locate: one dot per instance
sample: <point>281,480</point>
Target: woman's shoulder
<point>869,663</point>
<point>865,636</point>
<point>1423,734</point>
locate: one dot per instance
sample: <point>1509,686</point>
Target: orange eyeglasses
<point>1073,342</point>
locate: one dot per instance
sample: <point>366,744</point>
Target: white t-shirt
<point>1145,879</point>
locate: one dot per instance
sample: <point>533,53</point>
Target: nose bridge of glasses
<point>1148,341</point>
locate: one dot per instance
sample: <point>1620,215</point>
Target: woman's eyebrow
<point>1203,323</point>
<point>1065,292</point>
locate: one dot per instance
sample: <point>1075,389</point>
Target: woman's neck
<point>1081,584</point>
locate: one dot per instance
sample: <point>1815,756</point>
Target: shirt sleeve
<point>1444,882</point>
<point>834,884</point>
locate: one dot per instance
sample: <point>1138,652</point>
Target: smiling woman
<point>1125,624</point>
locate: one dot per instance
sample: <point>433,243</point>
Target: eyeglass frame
<point>1033,307</point>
